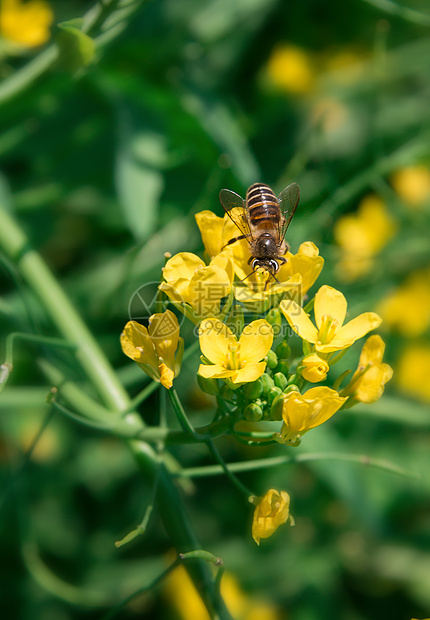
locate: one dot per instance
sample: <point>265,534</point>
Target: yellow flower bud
<point>270,512</point>
<point>314,368</point>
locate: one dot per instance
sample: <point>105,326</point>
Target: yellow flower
<point>302,412</point>
<point>158,349</point>
<point>362,235</point>
<point>271,511</point>
<point>240,361</point>
<point>290,69</point>
<point>25,23</point>
<point>296,276</point>
<point>313,368</point>
<point>413,371</point>
<point>188,280</point>
<point>368,381</point>
<point>407,309</point>
<point>330,311</point>
<point>412,185</point>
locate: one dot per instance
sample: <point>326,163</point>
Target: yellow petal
<point>370,386</point>
<point>207,287</point>
<point>164,332</point>
<point>224,260</point>
<point>182,265</point>
<point>255,341</point>
<point>215,337</point>
<point>176,290</point>
<point>309,267</point>
<point>215,371</point>
<point>302,412</point>
<point>330,302</point>
<point>210,226</point>
<point>372,351</point>
<point>166,376</point>
<point>271,512</point>
<point>137,344</point>
<point>307,248</point>
<point>299,320</point>
<point>249,373</point>
<point>352,331</point>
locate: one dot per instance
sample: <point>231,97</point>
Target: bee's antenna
<point>249,274</point>
<point>274,277</point>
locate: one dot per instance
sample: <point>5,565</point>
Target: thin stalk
<point>363,459</point>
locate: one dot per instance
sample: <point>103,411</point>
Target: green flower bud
<point>236,320</point>
<point>283,366</point>
<point>271,359</point>
<point>276,408</point>
<point>274,392</point>
<point>207,385</point>
<point>253,412</point>
<point>291,388</point>
<point>280,380</point>
<point>226,393</point>
<point>283,350</point>
<point>267,383</point>
<point>253,390</point>
<point>274,318</point>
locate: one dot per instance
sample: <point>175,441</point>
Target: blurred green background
<point>104,165</point>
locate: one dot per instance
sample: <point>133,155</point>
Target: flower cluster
<point>260,349</point>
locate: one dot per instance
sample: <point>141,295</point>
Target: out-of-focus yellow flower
<point>407,309</point>
<point>313,368</point>
<point>271,511</point>
<point>25,23</point>
<point>303,412</point>
<point>413,371</point>
<point>330,114</point>
<point>183,596</point>
<point>346,66</point>
<point>238,360</point>
<point>157,350</point>
<point>330,311</point>
<point>368,381</point>
<point>291,69</point>
<point>412,185</point>
<point>188,280</point>
<point>362,235</point>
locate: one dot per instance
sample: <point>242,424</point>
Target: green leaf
<point>76,48</point>
<point>139,181</point>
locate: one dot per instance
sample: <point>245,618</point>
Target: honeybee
<point>263,220</point>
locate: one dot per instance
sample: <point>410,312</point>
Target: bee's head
<point>269,264</point>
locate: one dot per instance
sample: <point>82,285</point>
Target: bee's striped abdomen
<point>263,206</point>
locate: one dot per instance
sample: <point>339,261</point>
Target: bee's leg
<point>282,259</point>
<point>236,239</point>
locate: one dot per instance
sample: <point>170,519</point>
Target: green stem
<point>363,459</point>
<point>104,379</point>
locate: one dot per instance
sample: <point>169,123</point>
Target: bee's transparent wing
<point>234,206</point>
<point>288,201</point>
